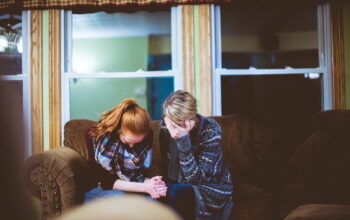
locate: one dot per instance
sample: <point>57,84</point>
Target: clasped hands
<point>155,187</point>
<point>178,130</point>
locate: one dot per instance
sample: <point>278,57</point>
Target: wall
<point>110,54</point>
<point>91,97</point>
<point>288,41</point>
<point>159,44</point>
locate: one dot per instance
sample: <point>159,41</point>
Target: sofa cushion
<point>323,157</point>
<point>292,195</point>
<point>273,142</point>
<point>320,212</point>
<point>304,163</point>
<point>251,202</point>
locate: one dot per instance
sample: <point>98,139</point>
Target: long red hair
<point>127,116</point>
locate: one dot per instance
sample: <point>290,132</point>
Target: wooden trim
<point>187,49</point>
<point>55,77</point>
<point>337,55</point>
<point>205,61</point>
<point>36,80</point>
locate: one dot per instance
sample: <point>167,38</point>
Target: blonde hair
<point>180,106</point>
<point>127,116</point>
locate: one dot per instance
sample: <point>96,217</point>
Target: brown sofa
<point>277,163</point>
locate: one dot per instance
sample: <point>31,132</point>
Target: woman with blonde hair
<point>199,184</point>
<point>120,152</point>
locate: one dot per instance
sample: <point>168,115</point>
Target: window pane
<point>11,45</point>
<point>121,42</point>
<point>266,36</point>
<point>270,95</point>
<point>90,97</point>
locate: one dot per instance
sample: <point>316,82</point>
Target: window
<point>14,74</point>
<point>271,59</point>
<point>113,56</point>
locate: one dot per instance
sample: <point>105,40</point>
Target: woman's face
<point>131,139</point>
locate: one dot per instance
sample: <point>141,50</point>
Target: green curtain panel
<point>69,4</point>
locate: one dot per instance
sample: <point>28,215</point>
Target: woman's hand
<point>155,187</point>
<point>177,131</point>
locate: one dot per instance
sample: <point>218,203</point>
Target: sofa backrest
<point>74,135</point>
<point>156,157</point>
<point>256,150</point>
<point>260,151</point>
<point>237,146</point>
<point>250,149</point>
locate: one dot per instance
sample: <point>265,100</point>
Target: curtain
<point>70,4</point>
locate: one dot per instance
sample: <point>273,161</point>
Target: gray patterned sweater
<point>196,159</point>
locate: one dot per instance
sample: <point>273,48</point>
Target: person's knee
<point>98,192</point>
<point>180,191</point>
<point>182,199</point>
<point>112,192</point>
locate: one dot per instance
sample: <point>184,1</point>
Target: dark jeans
<point>181,198</point>
<point>98,192</point>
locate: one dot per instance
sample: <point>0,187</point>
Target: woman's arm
<point>202,166</point>
<point>207,162</point>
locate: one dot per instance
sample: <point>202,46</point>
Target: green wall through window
<point>90,97</point>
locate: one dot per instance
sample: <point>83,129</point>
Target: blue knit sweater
<point>197,159</point>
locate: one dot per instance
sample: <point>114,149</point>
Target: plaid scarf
<point>127,163</point>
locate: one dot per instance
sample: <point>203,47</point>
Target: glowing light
<point>83,65</point>
<point>3,43</point>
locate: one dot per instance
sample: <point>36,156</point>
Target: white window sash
<point>323,18</point>
<point>25,79</point>
<point>66,57</point>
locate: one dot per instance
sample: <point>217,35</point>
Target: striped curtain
<point>69,4</point>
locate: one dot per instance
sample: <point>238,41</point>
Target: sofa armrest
<point>320,212</point>
<point>58,177</point>
<point>294,194</point>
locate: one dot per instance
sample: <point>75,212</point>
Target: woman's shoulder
<point>208,129</point>
<point>209,124</point>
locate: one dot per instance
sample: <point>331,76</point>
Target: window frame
<point>24,77</point>
<point>68,74</point>
<point>324,68</point>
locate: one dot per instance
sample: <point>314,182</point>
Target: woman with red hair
<point>120,152</point>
